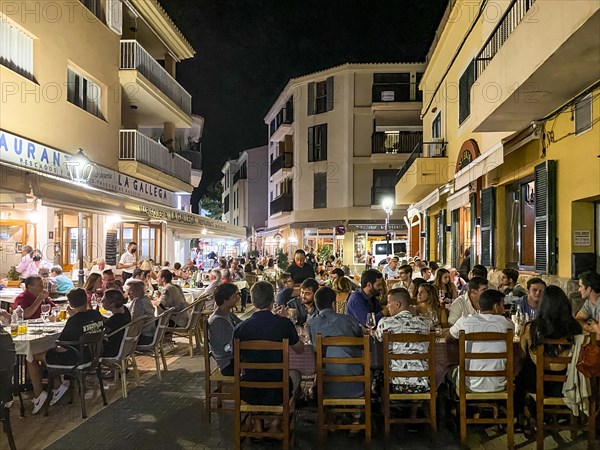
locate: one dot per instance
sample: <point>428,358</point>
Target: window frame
<point>320,190</point>
<point>16,49</point>
<point>320,97</point>
<point>317,143</point>
<point>79,88</point>
<point>436,126</point>
<point>466,82</point>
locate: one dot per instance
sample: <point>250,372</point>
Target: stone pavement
<point>170,415</point>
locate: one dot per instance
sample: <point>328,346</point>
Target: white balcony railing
<point>135,57</point>
<point>134,146</point>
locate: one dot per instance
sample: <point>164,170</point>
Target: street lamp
<point>80,170</point>
<point>387,204</point>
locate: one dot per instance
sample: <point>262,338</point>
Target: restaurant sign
<point>29,155</point>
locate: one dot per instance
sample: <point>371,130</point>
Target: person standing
<point>128,261</point>
<point>299,270</point>
<point>26,266</point>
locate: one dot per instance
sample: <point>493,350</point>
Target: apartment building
<point>81,82</point>
<point>515,102</point>
<point>336,140</point>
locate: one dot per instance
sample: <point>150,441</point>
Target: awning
<point>427,202</point>
<point>486,162</point>
<point>458,199</point>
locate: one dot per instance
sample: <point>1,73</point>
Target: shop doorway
<point>415,236</point>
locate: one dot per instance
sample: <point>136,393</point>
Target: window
<point>391,87</point>
<point>320,190</point>
<point>320,96</point>
<point>520,224</point>
<point>16,49</point>
<point>317,143</point>
<point>226,204</point>
<point>384,185</point>
<point>84,93</point>
<point>464,95</point>
<point>583,114</point>
<point>436,127</point>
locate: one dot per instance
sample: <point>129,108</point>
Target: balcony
<point>281,125</point>
<point>281,204</point>
<point>194,157</point>
<point>426,168</point>
<point>396,92</point>
<point>553,52</point>
<point>152,94</point>
<point>283,161</point>
<point>145,158</point>
<point>392,142</point>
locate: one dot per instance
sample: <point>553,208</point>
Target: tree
<point>211,203</point>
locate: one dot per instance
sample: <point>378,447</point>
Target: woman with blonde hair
<point>443,284</point>
<point>93,285</point>
<point>147,266</point>
<point>428,304</point>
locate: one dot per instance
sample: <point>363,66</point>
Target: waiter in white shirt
<point>128,261</point>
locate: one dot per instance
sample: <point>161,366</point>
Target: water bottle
<point>19,319</point>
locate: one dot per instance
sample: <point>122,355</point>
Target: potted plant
<point>282,260</point>
<point>14,277</point>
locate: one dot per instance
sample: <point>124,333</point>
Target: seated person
<point>286,289</point>
<point>215,282</point>
<point>93,286</point>
<point>428,304</point>
<point>589,314</point>
<point>390,272</point>
<point>530,303</point>
<point>467,303</point>
<point>363,301</point>
<point>491,319</point>
<point>305,304</point>
<point>114,301</point>
<point>32,298</point>
<point>171,297</point>
<point>477,271</point>
<point>63,282</point>
<point>347,275</point>
<point>137,274</point>
<point>179,273</point>
<point>108,280</point>
<point>141,306</point>
<point>406,281</point>
<point>339,282</point>
<point>221,324</point>
<point>327,323</point>
<point>555,321</point>
<point>509,283</point>
<point>401,320</point>
<point>82,320</point>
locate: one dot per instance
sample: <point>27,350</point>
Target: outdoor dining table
<point>7,296</point>
<point>192,294</point>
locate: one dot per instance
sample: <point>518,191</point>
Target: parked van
<point>396,248</point>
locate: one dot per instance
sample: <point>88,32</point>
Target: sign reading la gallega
<point>36,157</point>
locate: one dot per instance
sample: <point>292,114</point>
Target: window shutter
<point>311,144</point>
<point>311,98</point>
<point>488,222</point>
<point>583,114</point>
<point>474,258</point>
<point>323,140</point>
<point>426,248</point>
<point>329,93</point>
<point>455,256</point>
<point>320,191</point>
<point>443,236</point>
<point>464,92</point>
<point>545,217</point>
<point>114,16</point>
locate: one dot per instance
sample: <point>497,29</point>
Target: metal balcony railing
<point>134,146</point>
<point>135,57</point>
<point>285,160</point>
<point>422,150</point>
<point>193,157</point>
<point>284,116</point>
<point>506,25</point>
<point>282,203</point>
<point>395,141</point>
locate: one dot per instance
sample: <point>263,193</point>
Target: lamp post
<point>387,205</point>
<point>80,170</point>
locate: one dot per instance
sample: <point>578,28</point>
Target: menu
<point>111,248</point>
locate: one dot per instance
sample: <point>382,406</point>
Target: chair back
<point>193,311</point>
<point>543,362</point>
<point>133,330</point>
<point>251,279</point>
<point>207,352</point>
<point>389,356</point>
<point>162,322</point>
<point>93,343</point>
<point>7,365</point>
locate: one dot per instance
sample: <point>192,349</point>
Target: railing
<point>506,25</point>
<point>285,160</point>
<point>194,157</point>
<point>284,116</point>
<point>396,92</point>
<point>422,150</point>
<point>281,204</point>
<point>135,57</point>
<point>395,141</point>
<point>134,146</point>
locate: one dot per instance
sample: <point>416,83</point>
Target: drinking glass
<point>371,322</point>
<point>441,296</point>
<point>46,312</point>
<point>55,312</point>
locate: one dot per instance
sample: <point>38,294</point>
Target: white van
<point>380,252</point>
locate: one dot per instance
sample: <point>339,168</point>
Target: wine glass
<point>371,322</point>
<point>293,315</point>
<point>46,312</point>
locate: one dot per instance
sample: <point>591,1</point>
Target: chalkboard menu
<point>111,248</point>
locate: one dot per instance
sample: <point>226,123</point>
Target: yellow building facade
<point>511,95</point>
<point>97,76</point>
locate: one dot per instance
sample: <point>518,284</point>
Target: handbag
<point>589,360</point>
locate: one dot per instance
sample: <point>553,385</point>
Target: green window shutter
<point>455,255</point>
<point>329,93</point>
<point>545,217</point>
<point>311,144</point>
<point>323,132</point>
<point>426,248</point>
<point>488,223</point>
<point>442,243</point>
<point>311,98</point>
<point>474,259</point>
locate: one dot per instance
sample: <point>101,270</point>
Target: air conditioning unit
<point>114,16</point>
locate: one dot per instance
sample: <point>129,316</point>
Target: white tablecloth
<point>7,295</point>
<point>32,344</point>
<point>241,284</point>
<point>192,294</point>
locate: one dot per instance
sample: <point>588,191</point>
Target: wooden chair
<point>486,399</point>
<point>389,374</point>
<point>251,279</point>
<point>214,376</point>
<point>156,346</point>
<point>191,329</point>
<point>285,411</point>
<point>556,405</point>
<point>341,300</point>
<point>88,344</point>
<point>125,357</point>
<point>343,405</point>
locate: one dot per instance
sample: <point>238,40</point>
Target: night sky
<point>247,50</point>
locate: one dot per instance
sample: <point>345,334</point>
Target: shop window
<point>488,223</point>
<point>147,242</point>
